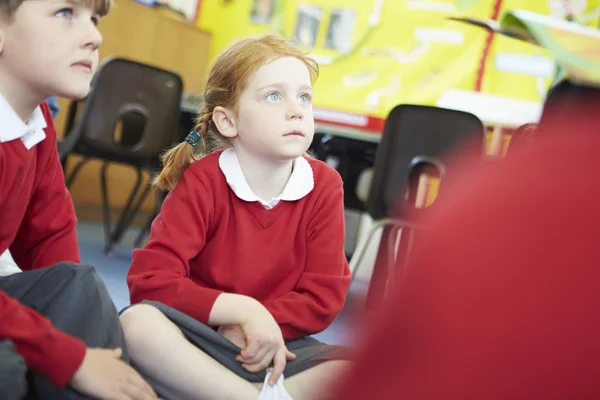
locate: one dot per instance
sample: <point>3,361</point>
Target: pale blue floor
<point>113,271</point>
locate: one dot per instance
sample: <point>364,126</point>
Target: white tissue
<point>275,392</point>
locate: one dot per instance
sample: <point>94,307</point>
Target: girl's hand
<point>234,334</point>
<point>264,344</point>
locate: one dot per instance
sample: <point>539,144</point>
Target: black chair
<point>415,139</point>
<point>353,157</point>
<point>187,122</point>
<point>569,106</point>
<point>130,116</point>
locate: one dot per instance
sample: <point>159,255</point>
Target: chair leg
<point>63,164</point>
<point>389,252</point>
<point>359,254</point>
<point>108,234</point>
<point>392,256</point>
<point>108,247</point>
<point>75,172</point>
<point>160,196</point>
<point>128,213</point>
<point>378,282</point>
<point>364,244</point>
<point>396,252</point>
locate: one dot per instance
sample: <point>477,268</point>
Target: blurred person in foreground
<point>501,298</point>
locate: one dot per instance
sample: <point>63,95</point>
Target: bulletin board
<point>376,54</point>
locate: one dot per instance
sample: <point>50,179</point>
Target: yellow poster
<point>376,54</point>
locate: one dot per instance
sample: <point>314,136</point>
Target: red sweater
<point>38,225</point>
<point>206,241</point>
<point>501,300</point>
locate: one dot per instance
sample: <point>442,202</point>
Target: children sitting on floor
<point>246,259</point>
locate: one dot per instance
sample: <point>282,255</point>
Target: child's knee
<point>139,314</point>
<point>139,320</point>
<point>340,367</point>
<point>83,278</point>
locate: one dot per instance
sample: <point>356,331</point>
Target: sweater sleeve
<point>47,234</point>
<point>321,290</point>
<point>161,270</point>
<point>45,349</point>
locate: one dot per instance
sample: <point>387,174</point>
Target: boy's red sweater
<point>38,225</point>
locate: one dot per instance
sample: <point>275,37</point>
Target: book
<point>575,47</point>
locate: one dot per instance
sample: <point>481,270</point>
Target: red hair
<point>228,77</point>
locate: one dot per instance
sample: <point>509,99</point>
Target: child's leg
<point>175,367</point>
<point>314,383</point>
<point>13,385</point>
<point>75,299</point>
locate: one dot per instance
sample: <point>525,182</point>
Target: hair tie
<point>193,138</point>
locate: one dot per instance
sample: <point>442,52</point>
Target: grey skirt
<point>308,350</point>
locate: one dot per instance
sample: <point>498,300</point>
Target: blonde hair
<point>101,7</point>
<point>227,79</point>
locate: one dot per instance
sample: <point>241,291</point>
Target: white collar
<point>300,184</point>
<point>12,126</point>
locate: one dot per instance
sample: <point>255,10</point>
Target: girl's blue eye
<point>273,97</point>
<point>305,98</point>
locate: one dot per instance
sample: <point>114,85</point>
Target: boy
<point>60,336</point>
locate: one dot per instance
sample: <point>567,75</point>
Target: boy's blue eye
<point>65,13</point>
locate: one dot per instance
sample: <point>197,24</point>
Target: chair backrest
<point>415,135</point>
<point>570,106</point>
<point>142,99</point>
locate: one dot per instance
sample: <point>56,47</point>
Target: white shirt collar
<point>12,126</point>
<point>300,184</point>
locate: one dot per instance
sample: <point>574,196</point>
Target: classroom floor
<point>114,270</point>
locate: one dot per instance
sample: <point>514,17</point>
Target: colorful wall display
<point>375,54</point>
